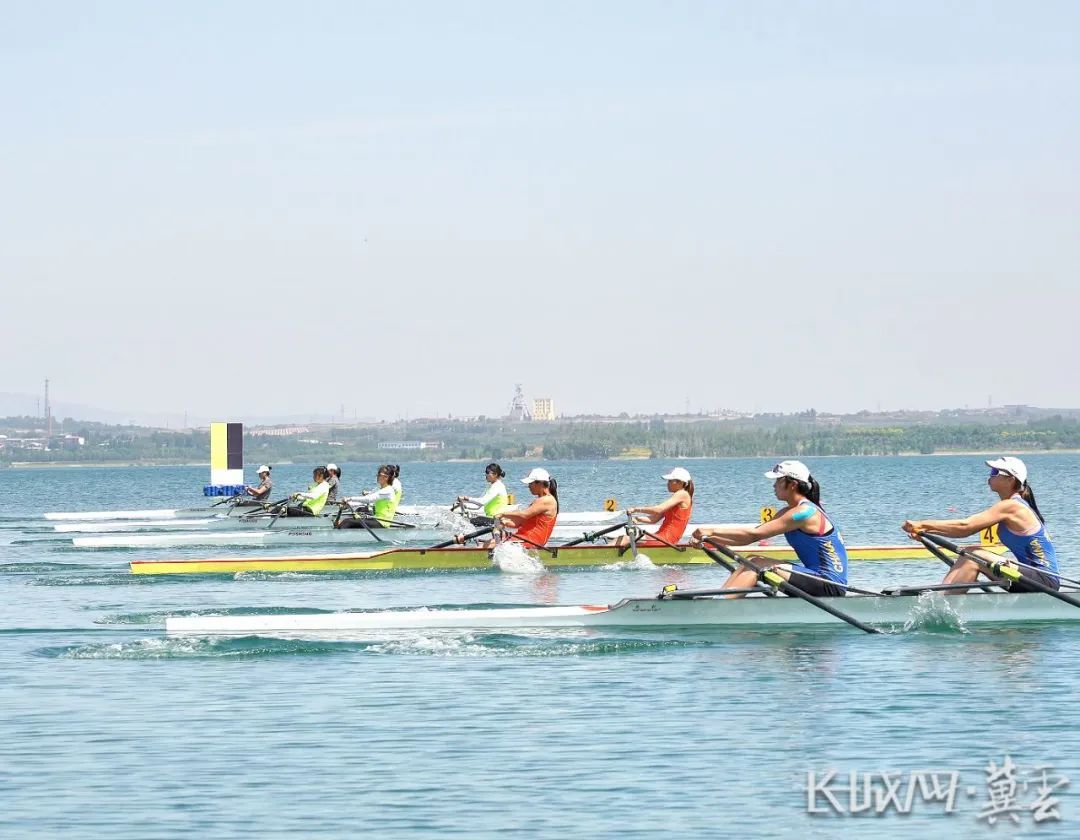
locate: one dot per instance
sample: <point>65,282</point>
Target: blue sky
<point>258,208</point>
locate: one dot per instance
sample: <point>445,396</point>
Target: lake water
<point>111,729</point>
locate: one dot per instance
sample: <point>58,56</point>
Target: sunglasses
<point>994,471</point>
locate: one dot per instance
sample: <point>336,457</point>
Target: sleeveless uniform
<point>1035,552</point>
<point>537,530</point>
<point>672,526</point>
<point>494,502</point>
<point>822,555</point>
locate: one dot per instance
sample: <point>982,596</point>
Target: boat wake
<point>432,643</point>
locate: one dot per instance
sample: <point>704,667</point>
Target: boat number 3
<point>767,514</point>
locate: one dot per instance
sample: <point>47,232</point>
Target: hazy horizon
<point>251,210</point>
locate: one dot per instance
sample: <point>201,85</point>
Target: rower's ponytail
<point>553,486</point>
<point>495,470</point>
<point>689,488</point>
<point>811,490</point>
<point>1028,495</point>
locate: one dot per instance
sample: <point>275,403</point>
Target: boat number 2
<point>611,505</point>
<point>767,514</point>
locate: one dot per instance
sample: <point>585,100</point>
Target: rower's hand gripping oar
<point>461,539</point>
<point>777,581</point>
<point>1000,569</point>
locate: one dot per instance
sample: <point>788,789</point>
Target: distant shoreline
<point>38,465</point>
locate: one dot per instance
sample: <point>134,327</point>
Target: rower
<point>534,524</point>
<point>674,511</point>
<point>383,502</point>
<point>823,561</point>
<point>394,471</point>
<point>494,501</point>
<point>333,478</point>
<point>262,492</point>
<point>1020,526</point>
<point>314,500</point>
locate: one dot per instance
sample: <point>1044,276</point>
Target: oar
<point>534,544</point>
<point>226,501</point>
<point>267,506</point>
<point>631,533</point>
<point>1003,570</point>
<point>943,557</point>
<point>463,539</point>
<point>355,515</point>
<point>787,587</point>
<point>586,537</point>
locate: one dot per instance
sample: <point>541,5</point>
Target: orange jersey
<point>537,530</point>
<point>674,523</point>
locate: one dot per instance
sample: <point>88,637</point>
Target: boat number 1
<point>767,514</point>
<point>611,505</point>
<point>510,498</point>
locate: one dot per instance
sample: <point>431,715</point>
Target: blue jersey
<point>823,554</point>
<point>1036,550</point>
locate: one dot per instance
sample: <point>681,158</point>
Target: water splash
<point>640,563</point>
<point>248,647</point>
<point>932,612</point>
<point>512,557</point>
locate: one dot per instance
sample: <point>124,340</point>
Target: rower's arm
<point>961,528</point>
<point>654,513</point>
<point>537,508</point>
<point>746,534</point>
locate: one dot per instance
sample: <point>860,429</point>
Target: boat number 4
<point>989,536</point>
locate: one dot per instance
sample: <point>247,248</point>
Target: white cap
<point>262,469</point>
<point>790,469</point>
<point>537,474</point>
<point>331,466</point>
<point>1013,466</point>
<point>678,474</point>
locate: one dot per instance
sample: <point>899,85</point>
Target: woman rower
<point>383,502</point>
<point>333,478</point>
<point>535,523</point>
<point>494,501</point>
<point>262,492</point>
<point>1020,526</point>
<point>394,471</point>
<point>674,511</point>
<point>823,562</point>
<point>314,499</point>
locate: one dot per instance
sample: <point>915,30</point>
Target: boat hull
<point>478,558</point>
<point>894,611</point>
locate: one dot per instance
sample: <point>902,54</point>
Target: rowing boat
<point>883,611</point>
<point>480,558</point>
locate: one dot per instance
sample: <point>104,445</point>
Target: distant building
<point>519,410</point>
<point>279,431</point>
<point>543,409</point>
<point>411,444</point>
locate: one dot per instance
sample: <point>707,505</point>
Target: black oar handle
<point>1004,569</point>
<point>462,538</point>
<point>590,537</point>
<point>792,590</point>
